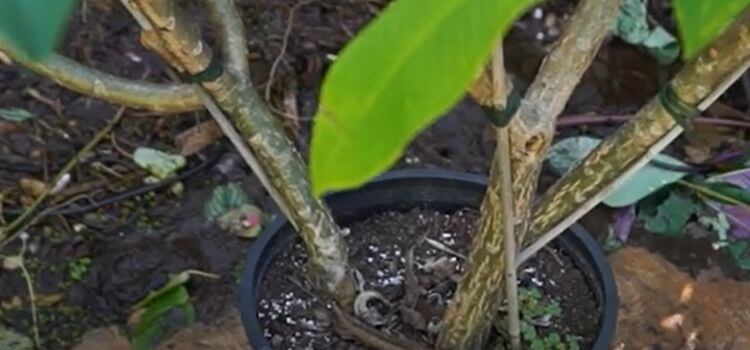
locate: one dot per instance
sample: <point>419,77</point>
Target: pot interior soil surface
<point>560,310</point>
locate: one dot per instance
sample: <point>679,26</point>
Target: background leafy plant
<point>413,62</point>
<point>152,310</point>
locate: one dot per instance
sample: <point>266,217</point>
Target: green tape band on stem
<point>501,118</point>
<point>211,73</point>
<point>682,112</point>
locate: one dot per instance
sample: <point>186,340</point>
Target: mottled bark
<point>167,98</point>
<point>698,83</point>
<point>479,294</point>
<point>180,44</point>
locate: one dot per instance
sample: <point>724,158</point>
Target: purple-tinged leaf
<point>738,216</point>
<point>624,219</point>
<point>725,157</point>
<point>739,177</point>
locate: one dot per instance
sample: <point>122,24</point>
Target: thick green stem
<point>168,98</point>
<point>467,321</point>
<point>180,44</point>
<point>698,83</point>
<point>232,32</point>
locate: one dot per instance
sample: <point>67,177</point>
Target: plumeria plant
<point>406,68</point>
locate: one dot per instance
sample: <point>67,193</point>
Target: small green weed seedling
<point>536,314</point>
<point>78,268</point>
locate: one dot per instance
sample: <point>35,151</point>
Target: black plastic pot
<point>404,190</point>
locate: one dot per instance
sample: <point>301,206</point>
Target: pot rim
<point>580,241</point>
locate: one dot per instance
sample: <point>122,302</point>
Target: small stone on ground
<point>103,338</point>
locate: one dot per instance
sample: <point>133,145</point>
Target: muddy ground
<point>90,267</point>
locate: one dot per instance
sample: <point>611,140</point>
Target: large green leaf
<point>701,21</point>
<point>32,27</point>
<point>405,69</point>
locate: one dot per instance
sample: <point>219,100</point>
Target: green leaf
<point>537,344</point>
<point>188,311</point>
<point>567,153</point>
<point>32,27</point>
<point>671,216</point>
<point>632,22</point>
<point>553,309</point>
<point>224,199</point>
<point>731,192</point>
<point>174,282</point>
<point>572,341</point>
<point>15,114</point>
<point>151,324</point>
<point>528,331</point>
<point>406,68</point>
<point>701,21</point>
<point>740,253</point>
<point>553,339</point>
<point>157,304</point>
<point>160,164</point>
<point>174,298</point>
<point>662,46</point>
<point>147,339</point>
<point>633,27</point>
<point>10,340</point>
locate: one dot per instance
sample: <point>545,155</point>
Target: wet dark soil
<point>294,318</point>
<point>129,247</point>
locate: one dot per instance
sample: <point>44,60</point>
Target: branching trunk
<point>698,83</point>
<point>168,32</point>
<point>479,294</point>
<point>168,98</point>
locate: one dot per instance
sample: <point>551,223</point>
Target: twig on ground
<point>284,44</point>
<point>17,261</point>
<point>412,287</point>
<point>554,255</point>
<point>54,104</point>
<point>299,285</point>
<point>116,146</point>
<point>65,172</point>
<point>440,246</point>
